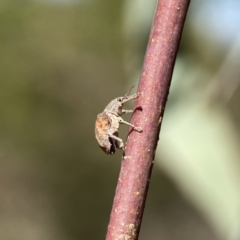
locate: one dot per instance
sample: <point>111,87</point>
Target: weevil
<point>107,124</point>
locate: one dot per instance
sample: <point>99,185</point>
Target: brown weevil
<point>107,124</point>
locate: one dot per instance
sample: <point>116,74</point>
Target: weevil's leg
<point>127,111</point>
<point>139,129</point>
<point>121,144</point>
<point>113,146</point>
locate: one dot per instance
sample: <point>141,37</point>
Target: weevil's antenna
<point>129,91</point>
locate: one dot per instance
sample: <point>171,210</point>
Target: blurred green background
<point>62,61</point>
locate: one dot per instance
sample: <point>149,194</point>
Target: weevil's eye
<point>119,99</point>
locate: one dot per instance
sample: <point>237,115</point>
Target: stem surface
<point>136,166</point>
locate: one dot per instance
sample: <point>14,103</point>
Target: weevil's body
<point>107,124</point>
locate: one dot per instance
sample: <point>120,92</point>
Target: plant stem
<point>137,163</point>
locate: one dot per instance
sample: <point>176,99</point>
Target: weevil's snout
<point>128,98</point>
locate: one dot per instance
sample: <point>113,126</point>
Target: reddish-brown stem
<point>131,192</point>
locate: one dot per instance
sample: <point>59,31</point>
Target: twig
<point>131,192</point>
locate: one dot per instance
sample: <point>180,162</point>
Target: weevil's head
<point>116,105</point>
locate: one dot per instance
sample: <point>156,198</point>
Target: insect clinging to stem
<point>107,124</point>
